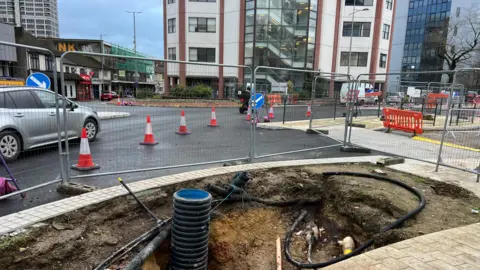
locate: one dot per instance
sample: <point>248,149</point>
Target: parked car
<point>108,96</point>
<point>28,120</point>
<point>394,98</point>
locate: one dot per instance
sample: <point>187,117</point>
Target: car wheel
<point>92,129</point>
<point>242,110</point>
<point>10,145</point>
<point>101,99</point>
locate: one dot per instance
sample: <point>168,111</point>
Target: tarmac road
<point>117,147</point>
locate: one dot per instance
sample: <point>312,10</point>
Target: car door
<point>47,100</point>
<point>30,116</point>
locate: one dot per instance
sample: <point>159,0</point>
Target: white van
<point>361,87</point>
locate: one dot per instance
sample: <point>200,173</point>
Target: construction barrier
<point>407,121</point>
<point>432,99</point>
<point>274,99</point>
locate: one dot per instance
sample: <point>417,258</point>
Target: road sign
<point>38,80</point>
<point>259,101</point>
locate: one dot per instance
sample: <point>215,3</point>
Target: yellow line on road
<point>423,139</point>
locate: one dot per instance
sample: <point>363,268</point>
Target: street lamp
<point>135,43</point>
<point>103,61</point>
<point>351,36</point>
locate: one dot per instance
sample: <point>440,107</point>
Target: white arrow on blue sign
<point>39,80</point>
<point>259,101</point>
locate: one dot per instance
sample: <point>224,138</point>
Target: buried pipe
<point>365,245</point>
<point>141,257</point>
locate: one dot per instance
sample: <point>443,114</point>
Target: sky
<point>88,19</point>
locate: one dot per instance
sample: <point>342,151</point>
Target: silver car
<point>28,120</point>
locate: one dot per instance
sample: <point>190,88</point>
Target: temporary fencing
<point>268,139</point>
<point>411,115</point>
<point>460,139</point>
<point>30,121</point>
<point>180,105</point>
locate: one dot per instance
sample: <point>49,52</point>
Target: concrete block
<point>390,161</point>
<point>355,149</point>
<point>73,189</point>
<point>316,131</point>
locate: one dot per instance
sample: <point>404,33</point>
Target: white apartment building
<point>300,34</point>
<point>39,17</point>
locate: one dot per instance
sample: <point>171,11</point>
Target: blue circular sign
<point>39,80</point>
<point>259,101</point>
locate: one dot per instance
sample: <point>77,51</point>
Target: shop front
<point>84,88</point>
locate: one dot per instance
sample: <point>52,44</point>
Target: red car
<point>108,96</point>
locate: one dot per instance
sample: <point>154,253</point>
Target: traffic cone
<point>213,119</point>
<point>270,113</point>
<point>183,125</point>
<point>309,111</point>
<point>85,161</point>
<point>149,139</point>
<point>249,115</point>
<point>118,101</point>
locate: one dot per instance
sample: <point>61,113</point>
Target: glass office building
<point>280,33</point>
<point>427,29</point>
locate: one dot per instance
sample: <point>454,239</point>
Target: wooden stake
<point>279,254</point>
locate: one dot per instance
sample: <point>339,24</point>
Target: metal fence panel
<point>124,114</point>
<point>29,123</point>
<point>461,140</point>
<point>269,139</point>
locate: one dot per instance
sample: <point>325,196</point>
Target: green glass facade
<point>146,67</point>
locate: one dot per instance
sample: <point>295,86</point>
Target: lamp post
<point>351,36</point>
<point>135,75</point>
<point>349,116</point>
<point>103,62</point>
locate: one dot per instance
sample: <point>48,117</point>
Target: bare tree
<point>462,42</point>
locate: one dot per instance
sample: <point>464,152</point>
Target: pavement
<point>117,147</point>
<point>457,248</point>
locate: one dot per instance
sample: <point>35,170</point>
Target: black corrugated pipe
<point>141,257</point>
<point>365,245</point>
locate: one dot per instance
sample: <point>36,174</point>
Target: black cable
<point>368,243</point>
<point>131,245</point>
<point>246,197</point>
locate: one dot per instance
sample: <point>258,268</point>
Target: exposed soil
<point>243,234</point>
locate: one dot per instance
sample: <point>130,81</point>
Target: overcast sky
<point>88,19</point>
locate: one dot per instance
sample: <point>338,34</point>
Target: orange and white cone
<point>270,113</point>
<point>183,125</point>
<point>118,101</point>
<point>309,111</point>
<point>213,119</point>
<point>85,161</point>
<point>149,139</point>
<point>249,115</point>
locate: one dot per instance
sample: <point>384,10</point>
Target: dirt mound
<point>243,234</point>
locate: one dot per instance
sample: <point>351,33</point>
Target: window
<point>455,30</point>
<point>34,62</point>
<point>23,99</point>
<point>171,1</point>
<point>172,53</point>
<point>386,31</point>
<point>458,12</point>
<point>202,25</point>
<point>48,98</point>
<point>359,2</point>
<point>171,25</point>
<point>359,59</point>
<point>360,29</point>
<point>48,63</point>
<point>390,4</point>
<point>210,1</point>
<point>383,60</point>
<point>202,55</point>
<point>67,69</point>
